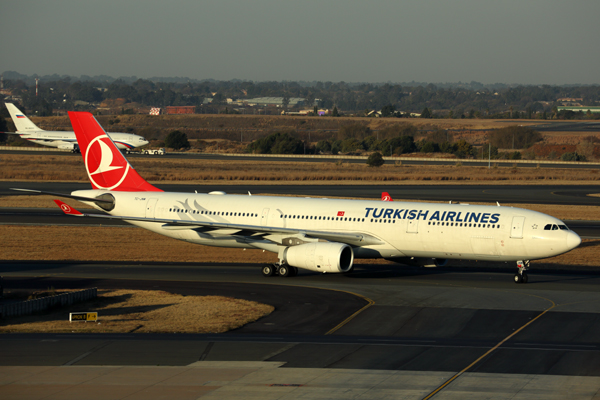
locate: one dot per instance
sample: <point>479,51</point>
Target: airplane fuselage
<point>67,139</point>
<point>403,229</point>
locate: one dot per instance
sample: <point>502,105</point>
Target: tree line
<point>429,100</point>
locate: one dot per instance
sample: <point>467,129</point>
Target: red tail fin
<point>385,196</point>
<point>106,166</point>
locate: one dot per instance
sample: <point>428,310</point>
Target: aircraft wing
<point>352,238</point>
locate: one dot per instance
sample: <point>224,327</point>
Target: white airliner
<point>323,235</point>
<point>64,140</point>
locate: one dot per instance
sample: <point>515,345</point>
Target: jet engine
<point>321,257</point>
<point>74,147</point>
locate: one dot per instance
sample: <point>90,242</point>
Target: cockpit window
<point>142,139</point>
<point>554,227</point>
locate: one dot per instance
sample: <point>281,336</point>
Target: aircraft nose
<point>573,240</point>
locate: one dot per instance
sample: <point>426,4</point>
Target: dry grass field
<point>60,168</point>
<point>140,311</point>
<point>252,127</point>
<point>257,122</point>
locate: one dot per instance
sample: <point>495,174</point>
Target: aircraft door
<point>151,208</point>
<point>412,226</point>
<point>264,217</point>
<point>516,231</point>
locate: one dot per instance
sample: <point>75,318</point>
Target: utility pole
<point>490,156</point>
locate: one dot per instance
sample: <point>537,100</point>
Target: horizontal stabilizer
<point>68,196</point>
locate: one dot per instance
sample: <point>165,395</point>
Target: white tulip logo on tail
<point>105,165</point>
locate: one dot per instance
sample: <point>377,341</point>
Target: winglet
<point>385,196</point>
<point>67,209</point>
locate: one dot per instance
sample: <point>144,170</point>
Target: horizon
<point>539,42</point>
<point>182,79</point>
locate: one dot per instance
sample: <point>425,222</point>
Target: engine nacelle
<point>74,147</point>
<point>323,257</point>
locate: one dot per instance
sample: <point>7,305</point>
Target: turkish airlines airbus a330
<point>323,235</point>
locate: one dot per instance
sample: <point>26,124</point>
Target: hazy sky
<point>501,41</point>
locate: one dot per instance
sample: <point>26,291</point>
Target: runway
<point>504,194</point>
<point>470,329</point>
<point>410,319</point>
<point>524,194</point>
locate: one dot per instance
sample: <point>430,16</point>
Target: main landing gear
<point>279,269</point>
<point>521,275</point>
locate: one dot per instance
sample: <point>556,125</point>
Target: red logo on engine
<point>105,165</point>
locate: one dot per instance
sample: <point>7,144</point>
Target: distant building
<point>584,109</point>
<point>570,101</point>
<point>181,109</point>
<point>275,101</point>
<point>155,111</point>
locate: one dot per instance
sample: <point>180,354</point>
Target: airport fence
<point>27,148</point>
<point>38,305</point>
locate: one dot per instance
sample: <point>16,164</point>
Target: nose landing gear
<point>521,275</point>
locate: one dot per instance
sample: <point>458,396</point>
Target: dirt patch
<point>121,311</point>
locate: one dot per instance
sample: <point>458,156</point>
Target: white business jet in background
<point>64,140</point>
<point>323,235</point>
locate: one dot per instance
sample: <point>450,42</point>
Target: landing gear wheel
<point>284,271</point>
<point>293,271</point>
<point>521,275</point>
<point>268,270</point>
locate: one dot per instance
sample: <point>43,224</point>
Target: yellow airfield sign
<point>83,316</point>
